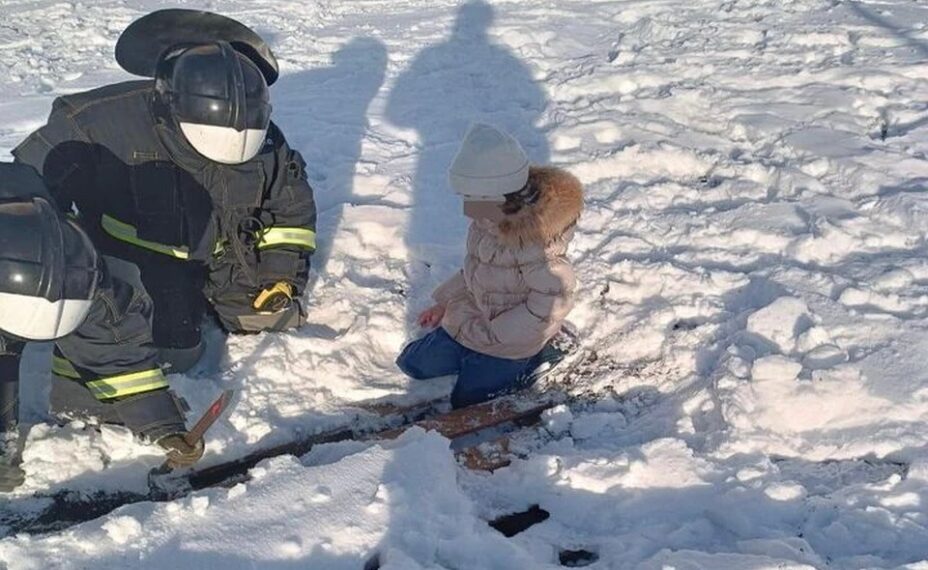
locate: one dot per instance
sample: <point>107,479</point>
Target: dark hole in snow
<point>688,324</point>
<point>68,508</point>
<point>710,181</point>
<point>577,558</point>
<point>373,563</point>
<point>511,525</point>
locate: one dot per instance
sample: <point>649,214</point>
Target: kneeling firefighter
<point>185,176</point>
<point>54,287</point>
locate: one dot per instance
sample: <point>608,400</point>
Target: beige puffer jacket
<point>517,285</point>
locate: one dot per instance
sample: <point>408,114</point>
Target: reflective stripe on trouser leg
<point>127,384</point>
<point>110,387</point>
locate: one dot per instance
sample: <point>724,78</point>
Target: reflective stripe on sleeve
<point>129,234</point>
<point>278,235</point>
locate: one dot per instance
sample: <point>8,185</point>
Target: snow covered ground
<point>754,285</point>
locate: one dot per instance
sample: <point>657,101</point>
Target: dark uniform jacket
<point>111,356</point>
<point>139,186</point>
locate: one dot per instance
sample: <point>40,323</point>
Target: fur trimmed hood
<point>556,211</point>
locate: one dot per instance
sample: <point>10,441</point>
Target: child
<point>517,286</point>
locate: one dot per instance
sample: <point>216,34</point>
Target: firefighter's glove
<point>274,299</point>
<point>180,453</point>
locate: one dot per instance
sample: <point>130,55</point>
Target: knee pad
<point>242,318</point>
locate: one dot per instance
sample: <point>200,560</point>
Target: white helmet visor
<point>35,318</point>
<point>224,144</point>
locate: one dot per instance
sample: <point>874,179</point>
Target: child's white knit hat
<point>489,164</point>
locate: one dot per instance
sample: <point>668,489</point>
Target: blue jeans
<point>480,377</point>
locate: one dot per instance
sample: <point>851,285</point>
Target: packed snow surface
<point>754,288</point>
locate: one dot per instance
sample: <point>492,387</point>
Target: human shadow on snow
<point>908,36</point>
<point>325,112</point>
<point>467,78</point>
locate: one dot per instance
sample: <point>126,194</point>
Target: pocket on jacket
<point>128,318</point>
<point>157,207</point>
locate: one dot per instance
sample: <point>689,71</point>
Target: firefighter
<point>55,287</point>
<point>185,176</point>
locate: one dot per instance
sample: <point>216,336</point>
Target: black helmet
<point>218,99</point>
<point>48,269</point>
